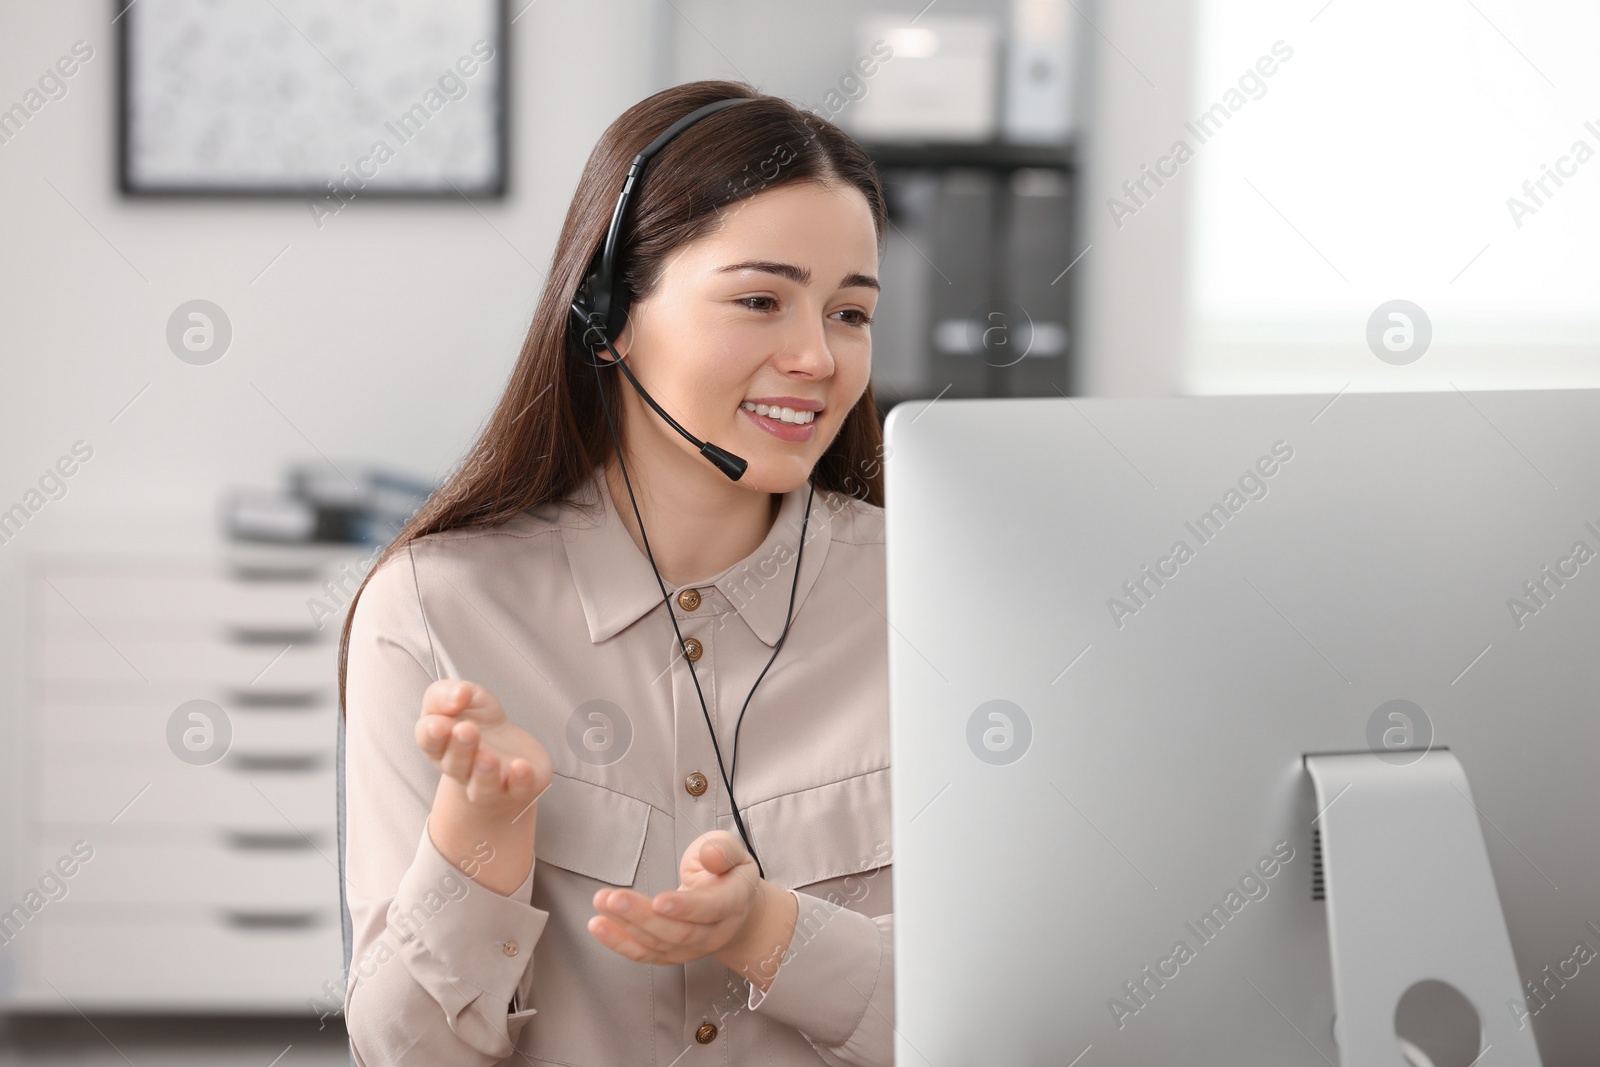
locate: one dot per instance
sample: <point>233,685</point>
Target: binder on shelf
<point>1035,252</point>
<point>964,256</point>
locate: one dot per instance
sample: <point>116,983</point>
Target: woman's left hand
<point>718,909</point>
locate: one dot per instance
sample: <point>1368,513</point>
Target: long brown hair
<point>548,432</point>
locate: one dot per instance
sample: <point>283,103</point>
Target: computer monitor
<point>1215,718</point>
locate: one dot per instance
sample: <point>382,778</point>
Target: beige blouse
<point>557,612</point>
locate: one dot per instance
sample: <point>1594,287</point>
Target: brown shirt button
<point>695,784</point>
<point>692,648</point>
<point>689,599</point>
<point>510,948</point>
<point>706,1034</point>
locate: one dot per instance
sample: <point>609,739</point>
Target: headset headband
<point>601,279</point>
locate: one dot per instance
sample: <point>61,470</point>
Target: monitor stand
<point>1411,898</point>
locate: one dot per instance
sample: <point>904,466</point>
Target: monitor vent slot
<point>1317,891</point>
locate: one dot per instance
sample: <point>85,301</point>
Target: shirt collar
<point>617,585</point>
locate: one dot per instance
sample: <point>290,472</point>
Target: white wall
<point>1132,284</point>
<point>386,334</point>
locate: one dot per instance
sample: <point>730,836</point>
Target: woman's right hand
<point>499,767</point>
<point>491,771</point>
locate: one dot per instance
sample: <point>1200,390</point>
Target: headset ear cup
<point>582,323</point>
<point>578,319</point>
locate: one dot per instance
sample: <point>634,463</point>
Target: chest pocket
<point>826,832</point>
<point>591,830</point>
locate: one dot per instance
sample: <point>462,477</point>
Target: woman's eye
<point>769,303</point>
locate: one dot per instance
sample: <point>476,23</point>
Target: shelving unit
<point>994,228</point>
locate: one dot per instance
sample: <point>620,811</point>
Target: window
<point>1442,152</point>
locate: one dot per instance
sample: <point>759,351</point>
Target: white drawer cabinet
<point>213,884</point>
<point>124,653</point>
<point>220,795</point>
<point>101,733</point>
<point>203,875</point>
<point>172,963</point>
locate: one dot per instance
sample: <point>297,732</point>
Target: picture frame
<point>293,98</point>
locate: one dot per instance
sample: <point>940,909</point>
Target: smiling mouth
<point>781,414</point>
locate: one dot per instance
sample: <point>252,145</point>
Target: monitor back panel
<point>1116,625</point>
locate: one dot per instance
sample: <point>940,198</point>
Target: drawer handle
<point>268,841</point>
<point>261,572</point>
<point>276,762</point>
<point>283,699</point>
<point>271,920</point>
<point>274,635</point>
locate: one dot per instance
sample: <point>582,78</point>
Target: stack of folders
<point>999,314</point>
<point>324,504</point>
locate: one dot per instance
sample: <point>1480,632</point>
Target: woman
<point>545,675</point>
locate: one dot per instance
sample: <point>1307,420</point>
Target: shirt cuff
<point>835,983</point>
<point>462,941</point>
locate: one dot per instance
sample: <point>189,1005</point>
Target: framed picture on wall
<point>309,99</point>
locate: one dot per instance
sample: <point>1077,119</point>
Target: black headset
<point>598,315</point>
<point>599,311</point>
